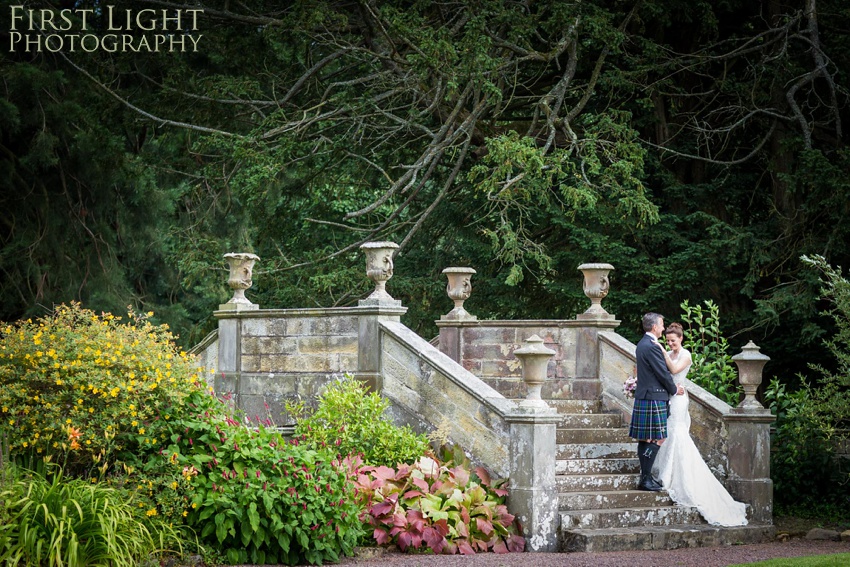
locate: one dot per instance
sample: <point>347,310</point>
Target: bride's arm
<point>678,365</point>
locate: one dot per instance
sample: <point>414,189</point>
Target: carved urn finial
<point>459,289</point>
<point>750,365</point>
<point>379,267</point>
<point>241,272</point>
<point>534,357</point>
<point>596,286</point>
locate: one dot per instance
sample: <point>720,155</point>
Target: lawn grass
<point>835,560</point>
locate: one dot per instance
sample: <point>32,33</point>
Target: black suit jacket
<point>654,381</point>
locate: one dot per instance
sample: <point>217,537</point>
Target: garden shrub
<point>64,521</point>
<point>351,420</point>
<point>809,477</point>
<point>803,463</point>
<point>86,390</point>
<point>429,506</point>
<point>712,367</point>
<point>260,499</point>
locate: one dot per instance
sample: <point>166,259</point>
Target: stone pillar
<point>749,441</point>
<point>586,383</point>
<point>533,494</point>
<point>381,306</point>
<point>240,278</point>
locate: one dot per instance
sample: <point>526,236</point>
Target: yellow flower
<point>142,431</point>
<point>151,512</point>
<point>134,423</point>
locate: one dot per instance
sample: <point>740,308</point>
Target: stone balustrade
<point>467,386</point>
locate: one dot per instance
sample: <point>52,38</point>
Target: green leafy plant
<point>811,421</point>
<point>256,497</point>
<point>803,463</point>
<point>351,420</point>
<point>834,385</point>
<point>63,521</point>
<point>429,506</point>
<point>712,368</point>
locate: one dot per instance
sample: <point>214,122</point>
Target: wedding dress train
<point>682,471</point>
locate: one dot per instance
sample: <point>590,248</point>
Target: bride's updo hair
<point>674,329</point>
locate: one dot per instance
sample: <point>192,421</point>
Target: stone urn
<point>459,289</point>
<point>534,357</point>
<point>241,271</point>
<point>379,267</point>
<point>596,289</point>
<point>750,365</point>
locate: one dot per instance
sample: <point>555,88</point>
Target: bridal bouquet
<point>629,386</point>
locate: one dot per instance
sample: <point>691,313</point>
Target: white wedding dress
<point>682,471</point>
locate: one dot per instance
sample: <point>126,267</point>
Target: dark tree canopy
<point>697,146</point>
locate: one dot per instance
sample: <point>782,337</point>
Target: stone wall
<point>206,356</point>
<point>430,391</point>
<point>486,348</point>
<point>278,355</point>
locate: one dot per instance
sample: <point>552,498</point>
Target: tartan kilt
<point>649,420</point>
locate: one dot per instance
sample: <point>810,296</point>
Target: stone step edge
<point>663,537</point>
<point>635,509</point>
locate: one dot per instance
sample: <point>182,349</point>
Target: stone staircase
<point>600,508</point>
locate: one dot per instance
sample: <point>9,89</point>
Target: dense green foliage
<point>60,521</point>
<point>259,499</point>
<point>698,147</point>
<point>351,420</point>
<point>127,415</point>
<point>809,475</point>
<point>712,368</point>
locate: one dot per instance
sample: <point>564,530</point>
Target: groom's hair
<point>649,321</point>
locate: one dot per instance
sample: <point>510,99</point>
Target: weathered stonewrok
<point>572,468</point>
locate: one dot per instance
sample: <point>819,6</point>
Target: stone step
<point>609,499</point>
<point>593,436</point>
<point>590,420</point>
<point>596,451</point>
<point>661,537</point>
<point>591,482</point>
<point>598,466</point>
<point>630,517</point>
<point>575,406</point>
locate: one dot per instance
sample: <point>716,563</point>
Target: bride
<point>679,465</point>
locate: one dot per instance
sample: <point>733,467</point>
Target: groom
<point>654,387</point>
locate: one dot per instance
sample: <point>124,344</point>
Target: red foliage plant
<point>429,506</point>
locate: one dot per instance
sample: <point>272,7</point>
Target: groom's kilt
<point>649,419</point>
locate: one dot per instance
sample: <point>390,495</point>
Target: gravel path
<point>692,557</point>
